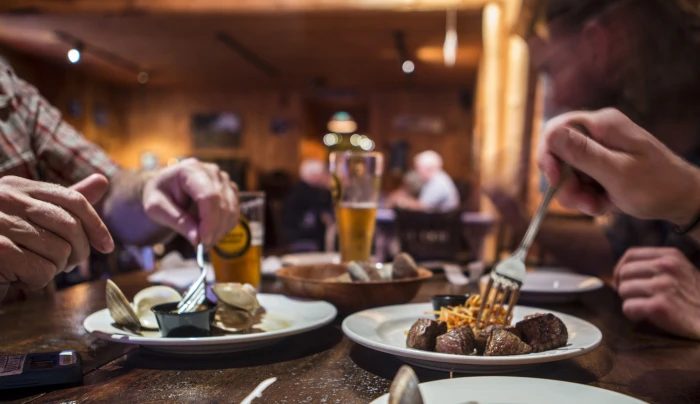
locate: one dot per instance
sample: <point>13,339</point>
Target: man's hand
<point>659,285</point>
<point>46,229</point>
<point>168,195</point>
<point>640,175</point>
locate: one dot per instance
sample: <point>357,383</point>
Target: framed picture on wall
<point>216,130</point>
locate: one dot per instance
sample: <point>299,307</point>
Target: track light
<point>74,55</point>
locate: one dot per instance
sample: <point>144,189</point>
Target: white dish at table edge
<point>384,329</point>
<point>514,390</point>
<point>314,258</point>
<point>556,282</point>
<point>303,316</point>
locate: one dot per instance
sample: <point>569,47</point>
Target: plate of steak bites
<point>447,340</point>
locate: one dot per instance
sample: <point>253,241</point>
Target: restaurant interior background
<point>276,72</point>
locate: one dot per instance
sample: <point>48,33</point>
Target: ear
<point>595,48</point>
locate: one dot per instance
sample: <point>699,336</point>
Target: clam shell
<point>404,389</point>
<point>119,308</point>
<point>404,267</point>
<point>152,296</point>
<point>231,319</point>
<point>236,295</point>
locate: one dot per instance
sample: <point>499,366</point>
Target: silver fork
<point>508,275</point>
<point>197,292</point>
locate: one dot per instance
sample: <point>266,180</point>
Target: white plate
<point>514,390</point>
<point>384,329</point>
<point>554,286</point>
<point>293,260</point>
<point>284,317</point>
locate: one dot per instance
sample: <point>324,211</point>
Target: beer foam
<point>359,205</point>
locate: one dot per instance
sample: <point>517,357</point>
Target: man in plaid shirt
<point>60,194</point>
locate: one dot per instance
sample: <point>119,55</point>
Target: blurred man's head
<point>427,164</point>
<point>637,55</point>
<point>313,172</point>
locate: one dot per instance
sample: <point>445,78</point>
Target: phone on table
<point>40,369</point>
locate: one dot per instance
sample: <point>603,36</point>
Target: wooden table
<point>322,366</point>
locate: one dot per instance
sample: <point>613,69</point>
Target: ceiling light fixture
<point>408,67</point>
<point>449,49</point>
<point>75,53</point>
<point>342,122</point>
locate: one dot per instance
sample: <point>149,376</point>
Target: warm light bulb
<point>355,139</point>
<point>331,139</point>
<point>366,144</point>
<point>73,56</point>
<point>449,50</point>
<point>408,67</point>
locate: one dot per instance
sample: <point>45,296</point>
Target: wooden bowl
<point>309,281</point>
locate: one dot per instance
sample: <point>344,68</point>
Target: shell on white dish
<point>237,295</point>
<point>153,296</point>
<point>232,319</point>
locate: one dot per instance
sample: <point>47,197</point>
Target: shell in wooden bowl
<point>317,282</point>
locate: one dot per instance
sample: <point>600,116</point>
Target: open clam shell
<point>404,389</point>
<point>153,296</point>
<point>237,296</point>
<point>119,308</point>
<point>232,319</point>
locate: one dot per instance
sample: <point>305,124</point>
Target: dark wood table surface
<point>322,366</point>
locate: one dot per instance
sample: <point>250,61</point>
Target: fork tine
<point>484,298</point>
<point>492,309</point>
<point>501,301</point>
<point>195,300</point>
<point>515,293</point>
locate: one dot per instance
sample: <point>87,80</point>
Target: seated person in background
<point>46,228</point>
<point>643,58</point>
<point>308,209</point>
<point>411,185</point>
<point>439,192</point>
<point>644,179</point>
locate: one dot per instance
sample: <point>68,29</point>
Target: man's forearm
<point>123,213</point>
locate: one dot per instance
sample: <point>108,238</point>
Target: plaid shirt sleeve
<point>57,152</point>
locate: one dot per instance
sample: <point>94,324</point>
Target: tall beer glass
<point>237,257</point>
<point>355,186</point>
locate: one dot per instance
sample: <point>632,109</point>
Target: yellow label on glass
<point>236,242</point>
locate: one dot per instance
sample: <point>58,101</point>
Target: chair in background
<point>435,240</point>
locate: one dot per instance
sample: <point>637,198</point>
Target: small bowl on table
<point>316,282</point>
<point>184,325</point>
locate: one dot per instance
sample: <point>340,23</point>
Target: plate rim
<point>481,361</point>
<point>503,380</point>
<point>598,285</point>
<point>218,340</point>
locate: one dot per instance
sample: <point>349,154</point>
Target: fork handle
<point>537,220</point>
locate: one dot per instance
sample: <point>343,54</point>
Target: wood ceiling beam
<point>235,6</point>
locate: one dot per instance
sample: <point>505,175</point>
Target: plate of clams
<point>235,318</point>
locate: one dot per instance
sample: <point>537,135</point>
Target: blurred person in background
<point>641,177</point>
<point>643,58</point>
<point>411,185</point>
<point>60,194</point>
<point>438,192</point>
<point>307,211</point>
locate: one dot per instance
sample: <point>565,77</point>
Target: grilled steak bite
<point>543,332</point>
<point>422,334</point>
<point>458,341</point>
<point>504,343</point>
<point>442,328</point>
<point>483,335</point>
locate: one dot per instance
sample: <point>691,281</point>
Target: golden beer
<point>244,269</point>
<point>356,221</point>
<point>237,257</point>
<point>356,179</point>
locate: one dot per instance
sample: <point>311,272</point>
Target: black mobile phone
<point>40,369</point>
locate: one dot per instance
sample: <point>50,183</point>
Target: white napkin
<point>178,272</point>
